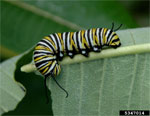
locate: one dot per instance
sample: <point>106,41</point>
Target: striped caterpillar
<point>52,48</point>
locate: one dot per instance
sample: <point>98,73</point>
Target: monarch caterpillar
<point>52,48</point>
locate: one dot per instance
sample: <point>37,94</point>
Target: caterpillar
<point>52,48</point>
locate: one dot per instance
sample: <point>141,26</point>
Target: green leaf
<point>88,14</point>
<point>98,86</point>
<point>11,92</point>
<point>26,22</point>
<point>33,103</point>
<point>105,86</point>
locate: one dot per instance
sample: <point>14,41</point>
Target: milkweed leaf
<point>11,92</point>
<point>95,87</point>
<point>102,87</point>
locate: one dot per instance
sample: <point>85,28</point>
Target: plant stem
<point>135,49</point>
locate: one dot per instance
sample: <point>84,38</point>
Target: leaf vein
<point>101,87</point>
<point>81,90</point>
<point>8,92</point>
<point>132,81</point>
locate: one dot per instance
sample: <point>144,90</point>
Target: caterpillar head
<point>56,71</point>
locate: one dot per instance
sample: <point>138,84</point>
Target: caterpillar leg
<point>70,54</point>
<point>60,56</point>
<point>96,49</point>
<point>84,52</point>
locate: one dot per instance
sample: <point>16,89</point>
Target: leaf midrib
<point>42,13</point>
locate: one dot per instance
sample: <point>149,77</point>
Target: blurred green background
<point>17,22</point>
<point>23,25</point>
